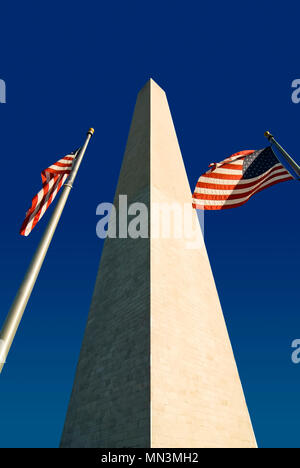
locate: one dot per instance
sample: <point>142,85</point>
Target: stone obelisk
<point>156,368</point>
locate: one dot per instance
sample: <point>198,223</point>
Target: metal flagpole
<point>17,309</point>
<point>286,156</point>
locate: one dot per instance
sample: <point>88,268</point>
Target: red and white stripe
<point>53,178</point>
<point>223,185</point>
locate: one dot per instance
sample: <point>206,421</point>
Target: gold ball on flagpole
<point>91,132</point>
<point>268,135</point>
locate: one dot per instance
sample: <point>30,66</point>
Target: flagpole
<point>15,314</point>
<point>286,156</point>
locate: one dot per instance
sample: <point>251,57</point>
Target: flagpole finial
<point>286,156</point>
<point>91,132</point>
<point>268,135</point>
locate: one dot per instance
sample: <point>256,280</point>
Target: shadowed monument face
<point>149,373</point>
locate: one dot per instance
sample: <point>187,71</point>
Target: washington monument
<point>156,367</point>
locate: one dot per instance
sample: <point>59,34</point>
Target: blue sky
<point>227,69</point>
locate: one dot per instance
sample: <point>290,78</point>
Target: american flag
<point>233,181</point>
<point>53,178</point>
